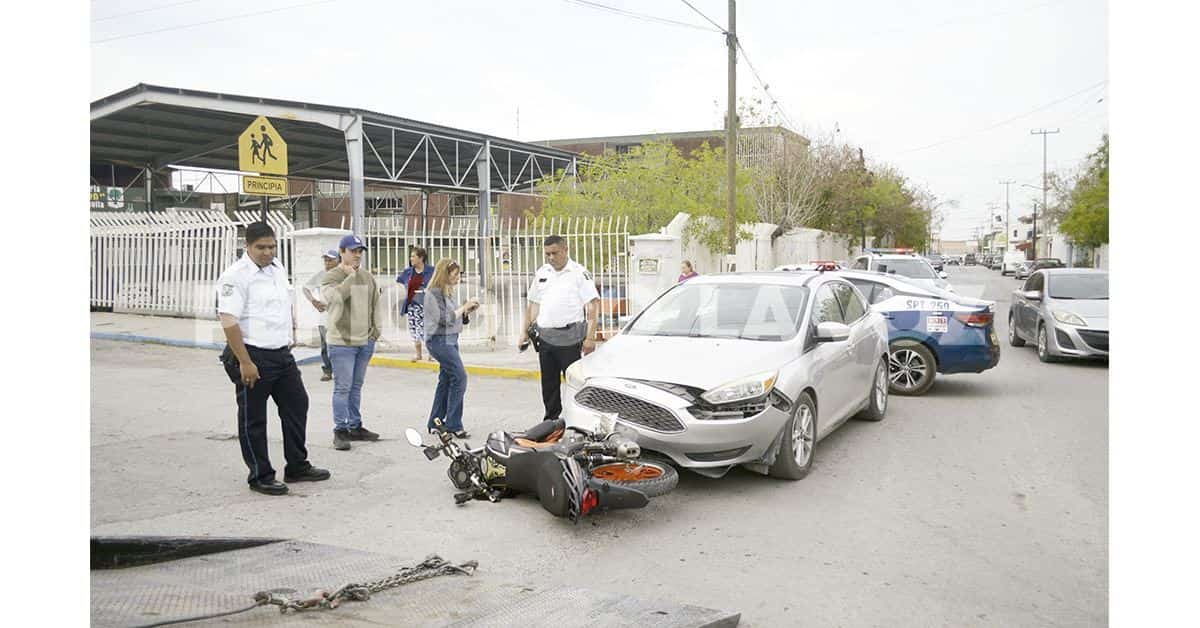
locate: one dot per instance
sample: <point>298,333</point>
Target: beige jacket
<point>353,307</point>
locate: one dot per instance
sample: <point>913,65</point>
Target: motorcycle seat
<point>550,440</point>
<point>542,435</point>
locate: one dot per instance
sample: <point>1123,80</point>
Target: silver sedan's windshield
<point>768,312</point>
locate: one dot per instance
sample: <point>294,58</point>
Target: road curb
<point>175,342</point>
<point>486,371</point>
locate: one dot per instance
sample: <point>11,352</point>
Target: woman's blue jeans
<point>452,382</point>
<point>349,371</point>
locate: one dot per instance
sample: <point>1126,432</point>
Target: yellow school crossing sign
<point>261,149</point>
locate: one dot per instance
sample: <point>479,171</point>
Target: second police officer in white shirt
<point>564,303</point>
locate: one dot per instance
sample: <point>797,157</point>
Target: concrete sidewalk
<point>206,334</point>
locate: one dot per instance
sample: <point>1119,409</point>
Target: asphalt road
<point>983,503</point>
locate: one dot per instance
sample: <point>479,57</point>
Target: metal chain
<point>431,567</point>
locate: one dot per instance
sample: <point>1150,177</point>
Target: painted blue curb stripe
<point>191,344</point>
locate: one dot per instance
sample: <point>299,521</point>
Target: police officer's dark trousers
<point>280,380</point>
<point>554,361</point>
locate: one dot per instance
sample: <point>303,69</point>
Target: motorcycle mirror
<point>413,437</point>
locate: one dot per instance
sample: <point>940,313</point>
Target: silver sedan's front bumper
<point>1077,342</point>
<point>701,443</point>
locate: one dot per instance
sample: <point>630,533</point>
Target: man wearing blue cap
<point>312,291</point>
<point>352,301</point>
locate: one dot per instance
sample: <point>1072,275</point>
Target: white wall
<point>308,245</point>
<point>802,245</point>
<point>654,260</point>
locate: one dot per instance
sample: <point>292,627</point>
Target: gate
<point>163,263</point>
<point>514,253</point>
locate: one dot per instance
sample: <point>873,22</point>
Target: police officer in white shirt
<point>561,296</point>
<point>255,305</point>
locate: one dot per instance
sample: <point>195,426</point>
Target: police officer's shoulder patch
<point>587,275</point>
<point>227,290</point>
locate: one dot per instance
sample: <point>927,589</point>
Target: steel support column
<point>354,155</point>
<point>149,174</point>
<point>483,167</point>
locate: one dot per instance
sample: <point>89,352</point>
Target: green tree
<point>1086,223</point>
<point>649,185</point>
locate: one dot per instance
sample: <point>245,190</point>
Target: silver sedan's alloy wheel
<point>881,389</point>
<point>908,369</point>
<point>802,436</point>
<point>1041,342</point>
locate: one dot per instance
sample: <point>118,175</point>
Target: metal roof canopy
<point>148,126</point>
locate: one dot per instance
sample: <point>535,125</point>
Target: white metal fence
<point>514,253</point>
<point>164,263</point>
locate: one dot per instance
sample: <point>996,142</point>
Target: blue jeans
<point>349,371</point>
<point>452,382</point>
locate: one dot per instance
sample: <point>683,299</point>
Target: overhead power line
<point>1004,122</point>
<point>765,87</point>
<point>698,12</point>
<point>221,19</point>
<point>641,16</point>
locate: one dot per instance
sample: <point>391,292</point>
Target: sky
<point>945,91</point>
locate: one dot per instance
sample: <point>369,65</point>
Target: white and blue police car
<point>930,331</point>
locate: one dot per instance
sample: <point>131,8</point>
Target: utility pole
<point>1007,227</point>
<point>1045,184</point>
<point>731,129</point>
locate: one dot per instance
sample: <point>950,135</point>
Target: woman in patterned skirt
<point>416,279</point>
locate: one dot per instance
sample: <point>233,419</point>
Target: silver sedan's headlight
<point>1068,318</point>
<point>575,375</point>
<point>745,388</point>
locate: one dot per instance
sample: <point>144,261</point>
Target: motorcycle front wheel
<point>651,477</point>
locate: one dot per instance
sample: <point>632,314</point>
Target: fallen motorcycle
<point>573,472</point>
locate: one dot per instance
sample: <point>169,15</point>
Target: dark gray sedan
<point>1064,311</point>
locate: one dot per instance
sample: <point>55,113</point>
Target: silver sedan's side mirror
<point>830,331</point>
<point>943,274</point>
<point>1032,295</point>
<point>413,437</point>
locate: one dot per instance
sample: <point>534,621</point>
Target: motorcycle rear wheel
<point>651,477</point>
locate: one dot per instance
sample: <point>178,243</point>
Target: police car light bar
<point>892,251</point>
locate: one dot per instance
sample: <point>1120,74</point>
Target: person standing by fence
<point>353,300</point>
<point>415,280</point>
<point>686,272</point>
<point>255,307</point>
<point>312,292</point>
<point>444,320</point>
<point>562,294</point>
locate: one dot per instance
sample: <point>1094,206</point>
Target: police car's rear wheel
<point>911,367</point>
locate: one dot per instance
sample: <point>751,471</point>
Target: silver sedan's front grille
<point>629,409</point>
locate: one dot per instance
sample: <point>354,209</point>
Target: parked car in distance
<point>995,262</point>
<point>969,259</point>
<point>750,369</point>
<point>1048,262</point>
<point>929,332</point>
<point>1011,260</point>
<point>1064,311</point>
<point>954,260</point>
<point>1023,270</point>
<point>937,261</point>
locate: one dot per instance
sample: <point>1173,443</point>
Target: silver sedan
<point>1064,311</point>
<point>739,369</point>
